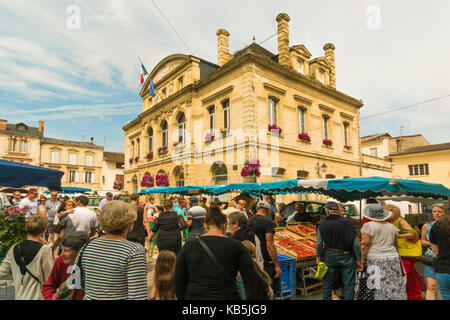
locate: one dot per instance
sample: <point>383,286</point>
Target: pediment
<point>163,68</point>
<point>321,61</point>
<point>302,50</point>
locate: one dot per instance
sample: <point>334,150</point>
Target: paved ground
<point>7,287</point>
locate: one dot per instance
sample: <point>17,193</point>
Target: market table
<point>297,240</point>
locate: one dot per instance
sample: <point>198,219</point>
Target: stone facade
<point>80,161</point>
<point>20,143</point>
<point>244,95</point>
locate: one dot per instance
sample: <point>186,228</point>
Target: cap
<point>330,205</point>
<point>263,204</point>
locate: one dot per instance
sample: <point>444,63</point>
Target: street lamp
<point>322,168</point>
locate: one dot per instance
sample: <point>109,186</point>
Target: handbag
<point>361,288</point>
<point>421,281</point>
<point>408,248</point>
<point>429,261</point>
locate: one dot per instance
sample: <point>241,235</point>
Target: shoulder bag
<point>408,248</point>
<point>213,258</point>
<point>67,293</point>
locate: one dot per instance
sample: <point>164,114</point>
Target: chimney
<point>283,39</point>
<point>41,126</point>
<point>329,55</point>
<point>3,124</point>
<point>222,47</point>
<point>92,140</point>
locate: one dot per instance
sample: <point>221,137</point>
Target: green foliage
<point>12,228</point>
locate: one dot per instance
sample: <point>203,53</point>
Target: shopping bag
<point>321,271</point>
<point>362,291</point>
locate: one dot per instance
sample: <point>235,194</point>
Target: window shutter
<point>93,177</point>
<point>77,176</point>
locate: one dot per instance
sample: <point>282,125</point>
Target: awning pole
<point>360,208</point>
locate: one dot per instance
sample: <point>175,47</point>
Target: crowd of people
<point>223,251</point>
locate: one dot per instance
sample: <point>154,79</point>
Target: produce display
<point>304,229</point>
<point>295,245</point>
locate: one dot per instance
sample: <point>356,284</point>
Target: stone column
<point>329,55</point>
<point>283,39</point>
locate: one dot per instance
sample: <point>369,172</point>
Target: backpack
<point>20,260</point>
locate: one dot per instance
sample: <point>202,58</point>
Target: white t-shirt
<point>29,207</point>
<point>383,238</point>
<point>82,219</point>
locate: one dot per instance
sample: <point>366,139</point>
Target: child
<point>265,278</point>
<point>163,288</point>
<point>65,208</point>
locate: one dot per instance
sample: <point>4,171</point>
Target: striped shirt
<point>114,270</point>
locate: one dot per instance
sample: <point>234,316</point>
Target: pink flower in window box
<point>328,143</point>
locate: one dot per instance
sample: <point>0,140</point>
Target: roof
<point>427,148</point>
<point>71,143</point>
<point>375,136</point>
<point>28,131</point>
<point>118,157</point>
<point>257,49</point>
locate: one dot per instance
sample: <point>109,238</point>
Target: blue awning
<point>17,175</point>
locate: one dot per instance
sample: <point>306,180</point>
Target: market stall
<point>17,175</point>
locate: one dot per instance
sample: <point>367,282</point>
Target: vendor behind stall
<point>300,214</point>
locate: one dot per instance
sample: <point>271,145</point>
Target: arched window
<point>178,172</point>
<point>150,139</point>
<point>181,127</point>
<point>134,183</point>
<point>212,118</point>
<point>164,135</point>
<point>219,173</point>
<point>273,114</point>
<point>226,114</point>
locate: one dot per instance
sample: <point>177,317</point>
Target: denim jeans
<point>343,264</point>
<point>443,281</point>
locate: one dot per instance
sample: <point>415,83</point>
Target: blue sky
<point>85,82</point>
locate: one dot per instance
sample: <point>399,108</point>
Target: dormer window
<point>300,68</point>
<point>321,76</point>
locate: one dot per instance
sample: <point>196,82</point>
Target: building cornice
<point>302,99</point>
<point>218,94</point>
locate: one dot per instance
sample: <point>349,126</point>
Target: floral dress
<point>429,252</point>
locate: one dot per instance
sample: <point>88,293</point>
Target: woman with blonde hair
<point>413,290</point>
<point>163,287</point>
<point>29,261</point>
<point>112,267</point>
<point>438,211</point>
<point>241,206</point>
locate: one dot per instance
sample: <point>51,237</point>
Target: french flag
<point>143,73</point>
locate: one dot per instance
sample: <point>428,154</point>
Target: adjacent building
<point>283,110</point>
<point>80,161</point>
<point>20,142</point>
<point>112,172</point>
<point>85,164</point>
<point>428,163</point>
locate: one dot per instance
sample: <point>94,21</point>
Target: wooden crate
<point>311,289</point>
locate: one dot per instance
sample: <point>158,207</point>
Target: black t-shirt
<point>438,238</point>
<point>244,234</point>
<point>166,225</point>
<point>198,278</point>
<point>302,217</point>
<point>261,225</point>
